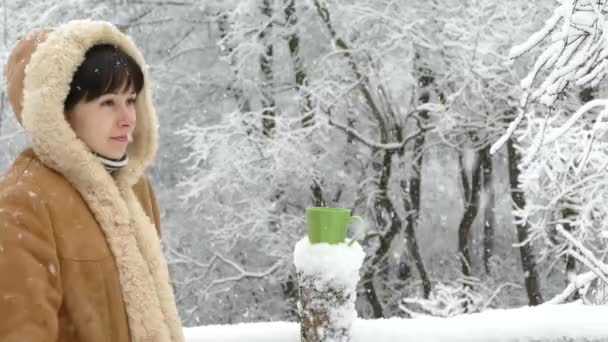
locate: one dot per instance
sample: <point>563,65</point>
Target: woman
<point>80,255</point>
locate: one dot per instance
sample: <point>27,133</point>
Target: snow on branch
<point>581,281</point>
<point>585,256</point>
<point>575,53</point>
<point>512,127</point>
<point>580,40</point>
<point>557,133</point>
<point>539,36</point>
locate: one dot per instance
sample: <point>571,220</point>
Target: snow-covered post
<point>328,276</point>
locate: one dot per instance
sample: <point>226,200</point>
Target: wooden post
<point>320,311</point>
<point>326,303</point>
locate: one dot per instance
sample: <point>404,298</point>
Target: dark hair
<point>105,69</point>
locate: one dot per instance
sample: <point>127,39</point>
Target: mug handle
<point>361,233</point>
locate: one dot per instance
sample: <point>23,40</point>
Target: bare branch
<point>373,144</point>
<point>242,273</point>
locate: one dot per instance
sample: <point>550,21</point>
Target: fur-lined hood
<point>39,73</point>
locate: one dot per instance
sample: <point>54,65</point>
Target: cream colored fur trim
<point>153,254</point>
<point>142,270</point>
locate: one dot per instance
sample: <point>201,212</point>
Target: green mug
<point>329,225</point>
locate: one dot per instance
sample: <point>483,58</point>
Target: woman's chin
<point>114,153</point>
<point>116,150</point>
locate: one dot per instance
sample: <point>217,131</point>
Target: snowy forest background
<point>387,107</point>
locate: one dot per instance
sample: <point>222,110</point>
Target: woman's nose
<point>127,116</point>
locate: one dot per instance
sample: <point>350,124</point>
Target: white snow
<point>250,332</point>
<point>542,323</point>
<point>337,263</point>
<point>584,18</point>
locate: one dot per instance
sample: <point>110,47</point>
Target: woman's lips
<point>122,138</point>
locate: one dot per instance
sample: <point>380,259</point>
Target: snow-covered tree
<point>564,164</point>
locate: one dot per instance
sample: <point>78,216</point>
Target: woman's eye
<point>107,103</point>
<point>131,101</point>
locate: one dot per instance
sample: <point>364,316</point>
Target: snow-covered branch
<point>575,54</point>
<point>600,268</point>
<point>581,281</point>
<point>558,132</point>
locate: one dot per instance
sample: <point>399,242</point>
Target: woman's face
<point>106,123</point>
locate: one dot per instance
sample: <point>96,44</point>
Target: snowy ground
<point>568,322</point>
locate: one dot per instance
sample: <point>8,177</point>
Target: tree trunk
<point>267,87</point>
<point>305,106</point>
<point>370,292</point>
<point>413,212</point>
<point>471,207</point>
<point>567,214</point>
<point>527,257</point>
<point>317,194</point>
<point>412,207</point>
<point>241,101</point>
<point>488,224</point>
<point>300,74</point>
<point>364,86</point>
<point>382,206</point>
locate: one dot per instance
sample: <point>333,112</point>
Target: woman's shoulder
<point>28,176</point>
